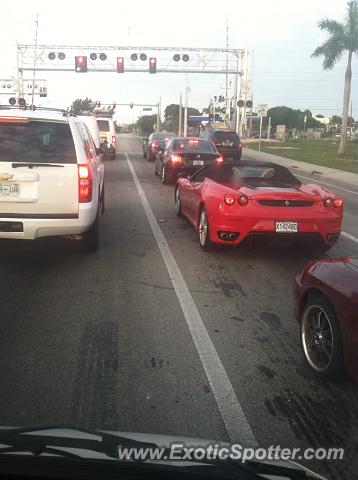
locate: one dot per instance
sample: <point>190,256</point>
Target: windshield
<point>103,125</point>
<point>178,228</point>
<point>192,146</point>
<point>40,142</point>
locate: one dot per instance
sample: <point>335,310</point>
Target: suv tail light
<point>113,139</point>
<point>175,159</point>
<point>219,160</point>
<point>327,202</point>
<point>85,184</point>
<point>154,145</point>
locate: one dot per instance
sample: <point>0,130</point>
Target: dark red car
<point>230,201</point>
<point>326,306</point>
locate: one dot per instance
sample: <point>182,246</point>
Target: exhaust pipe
<point>224,236</point>
<point>232,236</point>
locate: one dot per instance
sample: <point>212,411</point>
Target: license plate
<point>287,227</point>
<point>9,190</point>
<point>228,144</point>
<point>198,162</point>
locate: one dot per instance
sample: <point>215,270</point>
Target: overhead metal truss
<point>103,59</point>
<point>10,86</point>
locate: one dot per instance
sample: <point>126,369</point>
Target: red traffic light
<point>152,65</point>
<point>120,64</point>
<point>81,64</point>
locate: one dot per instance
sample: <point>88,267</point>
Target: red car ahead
<point>235,200</point>
<point>326,305</point>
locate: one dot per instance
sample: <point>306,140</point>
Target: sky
<point>281,35</point>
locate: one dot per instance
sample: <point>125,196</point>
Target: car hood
<point>145,438</point>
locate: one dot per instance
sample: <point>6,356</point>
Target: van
<point>107,133</point>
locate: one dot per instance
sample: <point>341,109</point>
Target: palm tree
<point>343,37</point>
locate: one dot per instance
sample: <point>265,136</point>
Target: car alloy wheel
<point>204,231</point>
<point>317,337</point>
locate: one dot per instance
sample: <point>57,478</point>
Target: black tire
<point>166,177</point>
<point>149,157</point>
<point>321,338</point>
<point>204,232</point>
<point>90,238</point>
<point>103,203</point>
<point>178,209</point>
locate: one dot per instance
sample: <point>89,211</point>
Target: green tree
<point>336,120</point>
<point>343,37</point>
<point>292,118</point>
<point>171,116</point>
<point>82,105</point>
<point>146,124</point>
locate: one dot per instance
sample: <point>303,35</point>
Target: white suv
<point>51,177</point>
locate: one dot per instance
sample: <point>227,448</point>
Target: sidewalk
<point>316,172</point>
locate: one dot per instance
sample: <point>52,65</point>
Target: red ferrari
<point>326,306</point>
<point>229,202</point>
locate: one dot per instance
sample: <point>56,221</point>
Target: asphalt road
<point>193,343</point>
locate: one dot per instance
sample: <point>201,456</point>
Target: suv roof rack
<point>33,108</point>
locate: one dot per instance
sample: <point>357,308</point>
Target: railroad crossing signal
<point>152,65</point>
<point>120,64</point>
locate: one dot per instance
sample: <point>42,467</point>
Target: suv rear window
<point>42,142</point>
<point>161,137</point>
<point>103,125</point>
<point>224,136</point>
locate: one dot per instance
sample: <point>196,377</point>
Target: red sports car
<point>229,202</point>
<point>326,306</point>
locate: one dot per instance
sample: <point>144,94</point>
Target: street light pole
<point>180,114</point>
<point>187,90</point>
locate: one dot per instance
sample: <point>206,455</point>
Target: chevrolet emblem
<point>5,176</point>
<point>287,203</point>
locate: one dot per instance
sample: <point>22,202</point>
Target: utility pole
<point>187,90</point>
<point>35,59</point>
<point>180,114</point>
<point>269,129</point>
<point>227,100</point>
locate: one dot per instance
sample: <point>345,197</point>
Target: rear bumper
<point>319,227</point>
<point>234,154</point>
<point>52,227</point>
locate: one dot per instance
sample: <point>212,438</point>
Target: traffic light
<point>240,103</point>
<point>249,103</point>
<point>131,104</point>
<point>120,64</point>
<point>98,103</point>
<point>152,65</point>
<point>81,64</point>
<point>12,101</point>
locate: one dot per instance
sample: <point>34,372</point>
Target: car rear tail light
<point>154,145</point>
<point>240,145</point>
<point>84,184</point>
<point>229,199</point>
<point>219,160</point>
<point>243,199</point>
<point>113,139</point>
<point>338,202</point>
<point>176,159</point>
<point>327,202</point>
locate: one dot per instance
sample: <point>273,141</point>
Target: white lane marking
<point>349,236</point>
<point>236,424</point>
